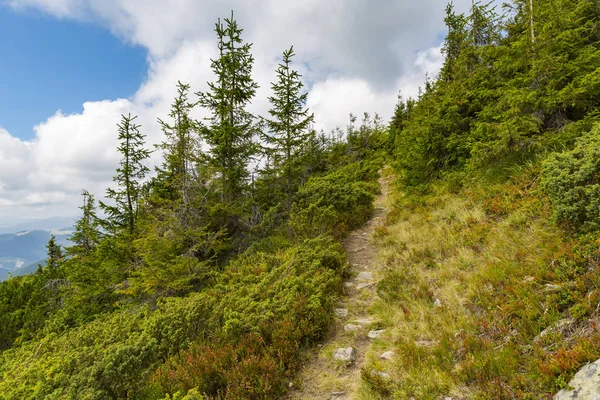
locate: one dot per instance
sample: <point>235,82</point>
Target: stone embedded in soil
<point>383,375</point>
<point>337,394</point>
<point>388,355</point>
<point>585,384</point>
<point>341,312</point>
<point>438,303</point>
<point>375,334</point>
<point>550,288</point>
<point>560,327</point>
<point>348,355</point>
<point>365,276</point>
<point>348,284</point>
<point>351,328</point>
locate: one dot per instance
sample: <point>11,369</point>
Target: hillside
<point>452,254</point>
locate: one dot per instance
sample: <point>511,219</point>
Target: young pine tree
<point>180,148</point>
<point>86,235</point>
<point>231,127</point>
<point>123,215</point>
<point>289,126</point>
<point>55,253</point>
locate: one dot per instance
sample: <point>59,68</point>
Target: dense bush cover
<point>572,181</point>
<point>236,339</point>
<point>336,202</point>
<point>513,83</point>
<point>277,302</point>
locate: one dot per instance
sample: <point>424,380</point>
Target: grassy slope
<point>473,277</point>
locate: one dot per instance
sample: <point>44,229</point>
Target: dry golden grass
<point>463,295</point>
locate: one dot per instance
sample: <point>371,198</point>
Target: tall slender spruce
<point>86,235</point>
<point>180,148</point>
<point>231,127</point>
<point>289,126</point>
<point>123,214</point>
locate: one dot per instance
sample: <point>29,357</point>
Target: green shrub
<point>572,181</point>
<point>336,202</point>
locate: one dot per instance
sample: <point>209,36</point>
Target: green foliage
<point>336,202</point>
<point>180,150</point>
<point>271,305</point>
<point>231,127</point>
<point>200,283</point>
<point>572,181</point>
<point>503,93</point>
<point>112,356</point>
<point>122,216</point>
<point>288,130</point>
<point>87,228</point>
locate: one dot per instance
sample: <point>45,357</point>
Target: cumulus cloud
<point>355,55</point>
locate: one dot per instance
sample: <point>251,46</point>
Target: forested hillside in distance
<point>210,277</point>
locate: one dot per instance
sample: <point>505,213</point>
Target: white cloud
<point>355,56</point>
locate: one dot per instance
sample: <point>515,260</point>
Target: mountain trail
<point>334,372</point>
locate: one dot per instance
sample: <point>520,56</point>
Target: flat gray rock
<point>364,276</point>
<point>348,355</point>
<point>388,355</point>
<point>375,334</point>
<point>585,384</point>
<point>351,328</point>
<point>341,312</point>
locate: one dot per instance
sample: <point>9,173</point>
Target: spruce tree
<point>55,253</point>
<point>180,148</point>
<point>86,235</point>
<point>231,127</point>
<point>123,214</point>
<point>289,126</point>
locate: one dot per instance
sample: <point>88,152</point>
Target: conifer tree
<point>86,235</point>
<point>454,42</point>
<point>180,147</point>
<point>123,214</point>
<point>55,253</point>
<point>289,126</point>
<point>231,127</point>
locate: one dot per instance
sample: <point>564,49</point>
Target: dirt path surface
<point>324,376</point>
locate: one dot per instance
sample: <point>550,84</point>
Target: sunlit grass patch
<point>483,295</point>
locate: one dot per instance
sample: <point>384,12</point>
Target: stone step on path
<point>376,334</point>
<point>365,276</point>
<point>341,312</point>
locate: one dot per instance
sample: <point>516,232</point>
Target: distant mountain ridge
<point>21,252</point>
<point>46,224</point>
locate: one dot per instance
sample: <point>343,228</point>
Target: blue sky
<point>47,64</point>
